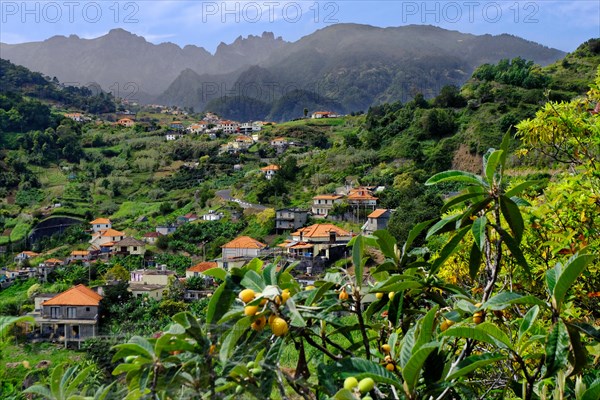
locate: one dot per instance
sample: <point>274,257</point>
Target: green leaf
<point>413,367</point>
<point>448,249</point>
<point>455,176</point>
<point>514,248</point>
<point>513,217</point>
<point>442,226</point>
<point>216,272</point>
<point>357,253</point>
<point>587,329</point>
<point>400,286</point>
<point>579,354</point>
<point>425,328</point>
<point>296,318</point>
<point>485,332</point>
<point>505,299</point>
<point>557,349</point>
<point>386,244</point>
<point>460,199</point>
<point>221,301</point>
<point>570,272</point>
<point>344,394</point>
<point>252,280</point>
<point>408,343</point>
<point>361,368</point>
<point>551,279</point>
<point>478,230</point>
<point>474,261</point>
<point>471,363</point>
<point>519,188</point>
<point>528,321</point>
<point>269,274</point>
<point>593,392</point>
<point>413,234</point>
<point>491,164</point>
<point>232,337</point>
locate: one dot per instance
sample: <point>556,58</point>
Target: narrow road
<point>226,195</point>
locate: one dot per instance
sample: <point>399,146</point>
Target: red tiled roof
<point>111,233</point>
<point>320,230</point>
<point>80,253</point>
<point>244,242</point>
<point>100,221</point>
<point>203,266</point>
<point>377,213</point>
<point>79,295</point>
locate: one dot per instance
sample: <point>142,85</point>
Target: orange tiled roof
<point>203,266</point>
<point>320,230</point>
<point>100,221</point>
<point>30,253</point>
<point>244,242</point>
<point>323,112</point>
<point>327,197</point>
<point>79,295</point>
<point>360,194</point>
<point>112,232</point>
<point>271,167</point>
<point>53,260</point>
<point>377,213</point>
<point>243,139</point>
<point>80,253</point>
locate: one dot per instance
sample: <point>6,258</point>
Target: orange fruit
<point>250,310</point>
<point>279,326</point>
<point>259,324</point>
<point>247,295</point>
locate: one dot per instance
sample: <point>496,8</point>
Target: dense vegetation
<point>487,288</point>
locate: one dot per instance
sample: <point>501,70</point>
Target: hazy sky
<point>562,24</point>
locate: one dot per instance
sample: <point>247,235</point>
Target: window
<point>54,312</point>
<point>134,248</point>
<point>71,312</point>
<point>87,309</point>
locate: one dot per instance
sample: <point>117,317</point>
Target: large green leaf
<point>461,198</point>
<point>296,318</point>
<point>557,349</point>
<point>448,249</point>
<point>485,332</point>
<point>232,337</point>
<point>514,248</point>
<point>216,272</point>
<point>412,370</point>
<point>513,217</point>
<point>408,343</point>
<point>505,299</point>
<point>519,188</point>
<point>478,229</point>
<point>7,321</point>
<point>442,226</point>
<point>471,363</point>
<point>528,321</point>
<point>386,243</point>
<point>474,261</point>
<point>491,164</point>
<point>221,301</point>
<point>252,280</point>
<point>413,234</point>
<point>570,272</point>
<point>504,146</point>
<point>593,392</point>
<point>425,328</point>
<point>357,261</point>
<point>455,176</point>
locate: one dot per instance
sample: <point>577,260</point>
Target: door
<point>71,312</point>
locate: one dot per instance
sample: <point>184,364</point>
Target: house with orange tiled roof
<point>105,236</point>
<point>240,250</point>
<point>71,316</point>
<point>323,203</point>
<point>361,197</point>
<point>322,240</point>
<point>101,224</point>
<point>25,255</point>
<point>200,268</point>
<point>269,171</point>
<point>377,220</point>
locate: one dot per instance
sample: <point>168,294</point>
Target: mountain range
<point>343,67</point>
